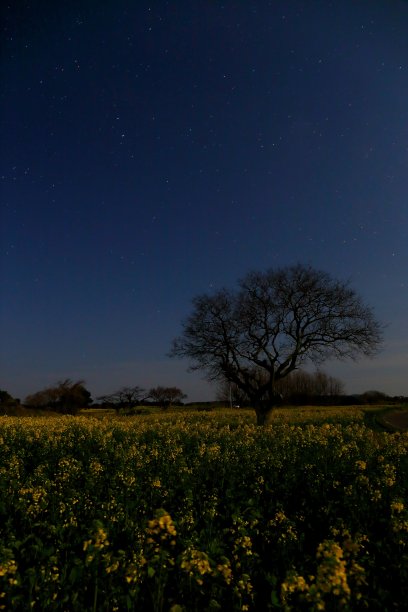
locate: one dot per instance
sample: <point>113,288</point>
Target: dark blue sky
<point>154,151</point>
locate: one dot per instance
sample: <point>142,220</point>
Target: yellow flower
<point>292,584</point>
<point>101,538</point>
<point>86,545</point>
<point>9,567</point>
<point>225,571</point>
<point>397,506</point>
<point>163,523</point>
<point>195,562</point>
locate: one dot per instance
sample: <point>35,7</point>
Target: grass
<point>371,415</point>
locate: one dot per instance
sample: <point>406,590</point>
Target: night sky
<point>155,151</point>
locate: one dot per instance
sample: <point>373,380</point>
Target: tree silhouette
<point>126,397</point>
<point>274,323</point>
<point>66,397</point>
<point>165,396</point>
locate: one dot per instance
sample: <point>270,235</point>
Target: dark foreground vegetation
<point>204,511</point>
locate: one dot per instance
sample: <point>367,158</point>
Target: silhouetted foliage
<point>297,387</point>
<point>67,397</point>
<point>274,323</point>
<point>166,396</point>
<point>373,397</point>
<point>126,397</point>
<point>7,400</point>
<point>300,386</point>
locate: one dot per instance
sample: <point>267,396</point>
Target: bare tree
<point>274,323</point>
<point>166,396</point>
<point>126,397</point>
<point>308,385</point>
<point>327,385</point>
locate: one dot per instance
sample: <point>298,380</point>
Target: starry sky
<point>153,151</point>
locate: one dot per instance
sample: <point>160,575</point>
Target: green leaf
<point>151,571</point>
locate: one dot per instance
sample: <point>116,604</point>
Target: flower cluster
<point>302,514</point>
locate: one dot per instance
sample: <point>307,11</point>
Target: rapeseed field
<point>202,511</point>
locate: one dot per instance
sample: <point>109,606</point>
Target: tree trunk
<point>263,414</point>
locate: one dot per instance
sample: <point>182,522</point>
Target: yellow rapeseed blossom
<point>100,539</point>
<point>330,580</point>
<point>236,496</point>
<point>389,474</point>
<point>8,568</point>
<point>196,564</point>
<point>331,573</point>
<point>96,467</point>
<point>243,545</point>
<point>134,569</point>
<point>293,583</point>
<point>97,543</point>
<point>163,523</point>
<point>86,545</point>
<point>224,569</point>
<point>397,506</point>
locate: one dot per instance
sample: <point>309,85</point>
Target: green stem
<point>94,609</point>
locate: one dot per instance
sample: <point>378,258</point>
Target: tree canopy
<point>275,322</point>
<point>165,396</point>
<point>7,400</point>
<point>66,397</point>
<point>126,397</point>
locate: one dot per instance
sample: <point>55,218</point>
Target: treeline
<point>69,397</point>
<point>301,387</point>
<point>296,388</point>
<point>66,397</point>
<point>129,397</point>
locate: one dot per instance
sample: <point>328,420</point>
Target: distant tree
<point>66,397</point>
<point>275,322</point>
<point>302,384</point>
<point>374,397</point>
<point>229,393</point>
<point>298,385</point>
<point>7,400</point>
<point>166,396</point>
<point>335,387</point>
<point>126,397</point>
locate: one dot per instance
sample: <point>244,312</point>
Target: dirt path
<point>397,420</point>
